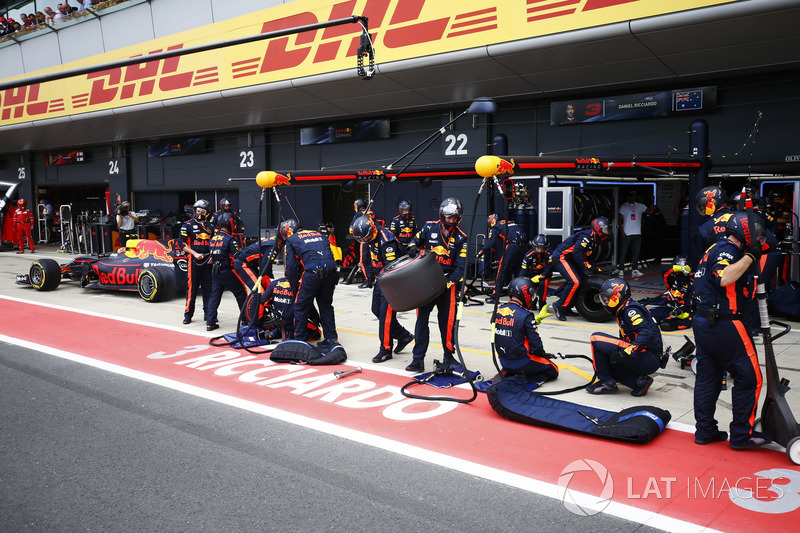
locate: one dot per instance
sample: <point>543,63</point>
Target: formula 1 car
<point>156,268</point>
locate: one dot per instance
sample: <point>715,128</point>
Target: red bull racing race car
<point>157,269</point>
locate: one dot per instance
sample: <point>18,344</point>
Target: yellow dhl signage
<point>400,29</point>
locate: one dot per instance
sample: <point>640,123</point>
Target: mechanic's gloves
<point>544,313</point>
<point>536,279</point>
<point>480,253</point>
<point>413,251</point>
<point>449,285</point>
<point>753,251</point>
<point>683,316</point>
<point>622,354</point>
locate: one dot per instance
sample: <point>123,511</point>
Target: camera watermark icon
<point>581,503</point>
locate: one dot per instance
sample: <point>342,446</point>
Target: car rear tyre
<point>585,302</point>
<point>156,284</point>
<point>45,274</point>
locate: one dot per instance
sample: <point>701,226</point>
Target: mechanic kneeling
<point>638,350</point>
<point>518,344</point>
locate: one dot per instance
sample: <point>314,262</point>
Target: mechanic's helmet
<point>710,199</point>
<point>540,243</point>
<point>225,204</point>
<point>21,203</point>
<point>359,204</point>
<point>364,229</point>
<point>523,290</point>
<point>492,220</point>
<point>739,226</point>
<point>288,228</point>
<point>680,265</point>
<point>601,227</point>
<point>451,207</point>
<point>226,225</point>
<point>205,206</point>
<point>370,214</point>
<point>404,207</point>
<point>613,293</point>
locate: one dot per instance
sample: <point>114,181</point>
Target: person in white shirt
<point>630,225</point>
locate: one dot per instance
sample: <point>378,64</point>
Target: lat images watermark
<point>586,487</point>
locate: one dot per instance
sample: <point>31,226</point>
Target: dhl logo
<point>401,29</point>
<point>145,249</point>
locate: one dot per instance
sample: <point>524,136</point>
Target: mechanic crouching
<point>312,273</point>
<point>196,239</point>
<point>635,354</point>
<point>224,249</point>
<point>519,347</point>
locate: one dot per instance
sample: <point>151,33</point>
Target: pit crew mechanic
<point>722,289</point>
<point>444,238</point>
<point>383,248</point>
<point>226,212</point>
<point>404,225</point>
<point>636,353</point>
<point>196,237</point>
<point>519,347</point>
<point>224,248</point>
<point>511,239</point>
<point>572,260</point>
<point>534,263</point>
<point>312,273</point>
<point>126,221</point>
<point>261,253</point>
<point>23,223</point>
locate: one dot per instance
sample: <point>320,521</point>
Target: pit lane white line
<point>541,488</point>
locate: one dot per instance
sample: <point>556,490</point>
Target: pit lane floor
<point>672,389</point>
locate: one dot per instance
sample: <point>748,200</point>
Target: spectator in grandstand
<point>50,17</point>
<point>83,4</point>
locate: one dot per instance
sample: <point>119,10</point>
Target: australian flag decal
<point>687,100</point>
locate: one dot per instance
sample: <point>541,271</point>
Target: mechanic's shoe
<point>364,285</point>
<point>490,300</point>
<point>567,311</point>
<point>558,312</point>
<point>328,344</point>
<point>187,319</point>
<point>21,252</point>
<point>720,436</point>
<point>757,439</point>
<point>382,357</point>
<point>33,251</point>
<point>636,273</point>
<point>449,361</point>
<point>402,343</point>
<point>642,385</point>
<point>212,327</point>
<point>602,387</point>
<point>417,366</point>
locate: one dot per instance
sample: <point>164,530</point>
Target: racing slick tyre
<point>45,274</point>
<point>156,284</point>
<point>793,450</point>
<point>411,283</point>
<point>586,304</point>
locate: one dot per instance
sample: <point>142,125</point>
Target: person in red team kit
<point>23,223</point>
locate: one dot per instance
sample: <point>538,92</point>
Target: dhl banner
<point>400,29</point>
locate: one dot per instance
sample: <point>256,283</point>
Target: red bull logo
<point>505,167</point>
<point>280,179</point>
<point>505,311</point>
<point>711,203</point>
<point>588,163</point>
<point>283,284</point>
<point>145,249</point>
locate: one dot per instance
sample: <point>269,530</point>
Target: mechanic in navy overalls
<point>722,289</point>
<point>360,208</point>
<point>535,264</point>
<point>224,248</point>
<point>279,297</point>
<point>261,253</point>
<point>712,202</point>
<point>673,311</point>
<point>226,212</point>
<point>633,355</point>
<point>312,274</point>
<point>383,249</point>
<point>571,260</point>
<point>448,242</point>
<point>404,225</point>
<point>196,237</point>
<point>511,239</point>
<point>519,347</point>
